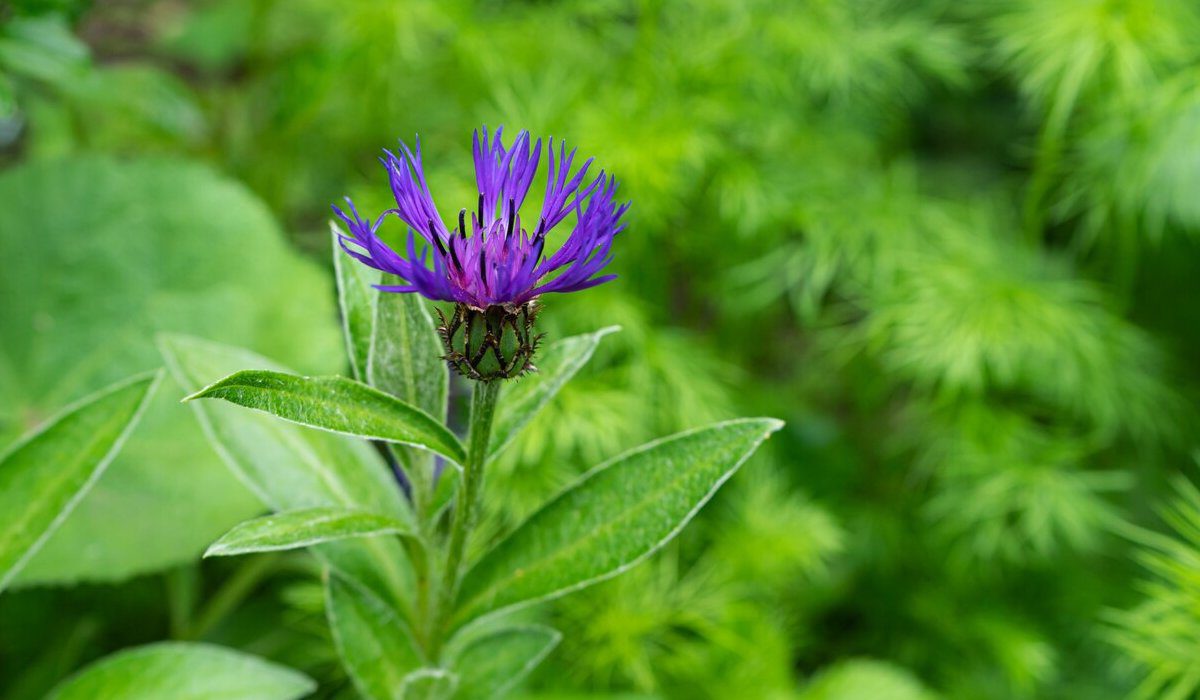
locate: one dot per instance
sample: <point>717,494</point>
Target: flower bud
<point>496,342</point>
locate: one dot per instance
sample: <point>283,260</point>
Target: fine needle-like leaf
<point>613,517</point>
<point>557,363</point>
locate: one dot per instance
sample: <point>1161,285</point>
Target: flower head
<point>498,260</point>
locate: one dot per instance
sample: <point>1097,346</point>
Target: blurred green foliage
<point>111,252</point>
<point>956,246</point>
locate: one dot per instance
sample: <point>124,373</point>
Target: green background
<point>956,246</point>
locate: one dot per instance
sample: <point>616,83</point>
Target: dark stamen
<point>483,266</point>
<point>482,226</point>
<point>541,230</point>
<point>436,239</point>
<point>538,246</point>
<point>462,223</point>
<point>454,257</point>
<point>512,215</point>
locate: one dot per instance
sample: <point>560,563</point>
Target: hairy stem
<point>483,408</point>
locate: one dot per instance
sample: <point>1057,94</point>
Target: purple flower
<point>498,261</point>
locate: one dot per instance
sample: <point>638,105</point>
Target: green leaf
<point>406,354</point>
<point>376,646</point>
<point>290,468</point>
<point>336,404</point>
<point>493,665</point>
<point>612,518</point>
<point>557,363</point>
<point>391,338</point>
<point>851,679</point>
<point>429,684</point>
<point>445,490</point>
<point>8,98</point>
<point>294,529</point>
<point>147,246</point>
<point>43,477</point>
<point>183,671</point>
<point>130,105</point>
<point>286,466</point>
<point>356,301</point>
<point>43,48</point>
<point>393,345</point>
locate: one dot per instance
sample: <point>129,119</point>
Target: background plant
<point>953,247</point>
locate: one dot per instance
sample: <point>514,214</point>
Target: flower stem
<point>483,408</point>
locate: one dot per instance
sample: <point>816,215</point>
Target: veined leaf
<point>376,646</point>
<point>336,404</point>
<point>393,345</point>
<point>356,301</point>
<point>183,671</point>
<point>170,246</point>
<point>43,476</point>
<point>612,518</point>
<point>492,665</point>
<point>429,684</point>
<point>405,360</point>
<point>291,468</point>
<point>294,529</point>
<point>557,363</point>
<point>287,467</point>
<point>406,356</point>
<point>391,338</point>
<point>444,490</point>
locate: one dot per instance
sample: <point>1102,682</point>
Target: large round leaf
<point>100,255</point>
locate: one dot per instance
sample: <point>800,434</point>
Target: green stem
<point>483,408</point>
<point>229,596</point>
<point>183,582</point>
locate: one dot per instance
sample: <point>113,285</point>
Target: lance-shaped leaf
<point>391,338</point>
<point>184,671</point>
<point>336,404</point>
<point>43,476</point>
<point>429,684</point>
<point>169,245</point>
<point>406,355</point>
<point>356,301</point>
<point>376,646</point>
<point>492,665</point>
<point>557,363</point>
<point>290,468</point>
<point>613,517</point>
<point>286,466</point>
<point>303,528</point>
<point>405,360</point>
